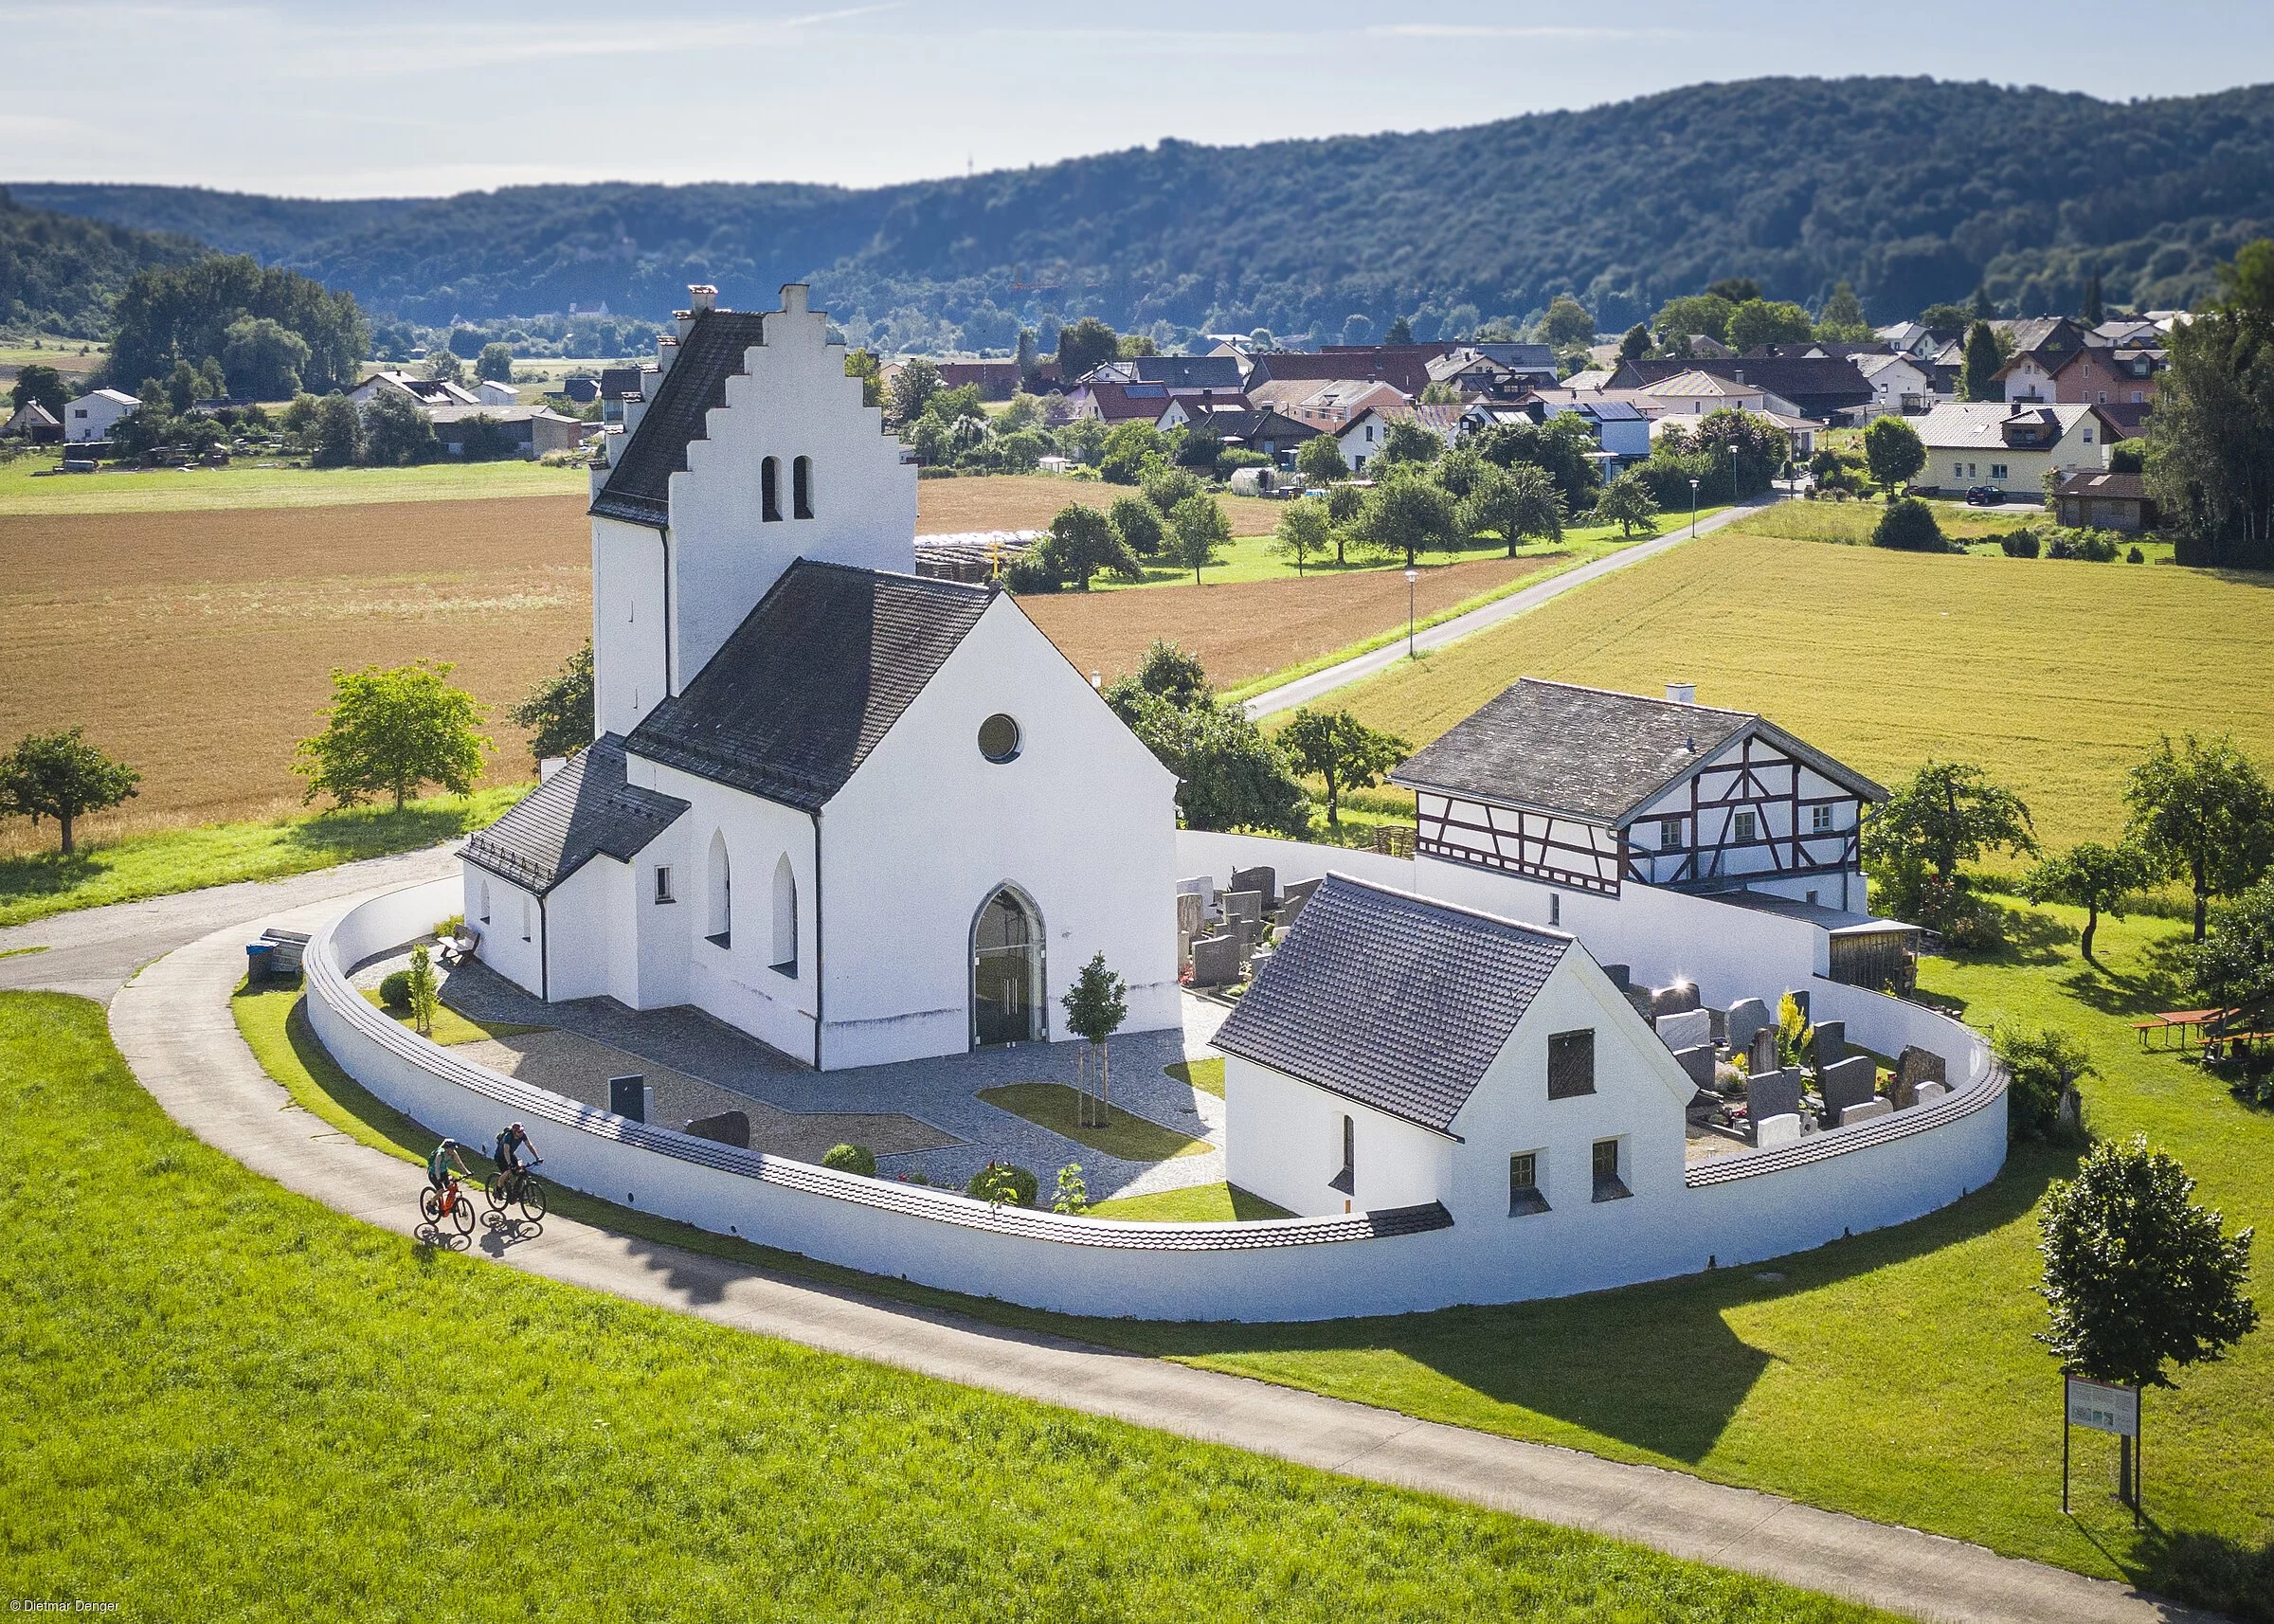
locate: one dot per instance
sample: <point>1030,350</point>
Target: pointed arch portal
<point>1006,971</point>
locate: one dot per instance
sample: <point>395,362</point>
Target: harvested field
<point>1244,629</point>
<point>196,645</point>
<point>1029,502</point>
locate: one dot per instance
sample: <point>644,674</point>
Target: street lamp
<point>1693,510</point>
<point>1412,575</point>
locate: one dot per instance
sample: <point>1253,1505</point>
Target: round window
<point>998,738</point>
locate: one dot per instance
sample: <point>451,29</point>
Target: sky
<point>414,98</point>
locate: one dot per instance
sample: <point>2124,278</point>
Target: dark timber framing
<point>1764,781</point>
<point>1559,850</point>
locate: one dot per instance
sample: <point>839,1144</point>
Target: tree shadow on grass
<point>47,873</point>
<point>369,832</point>
<point>2227,1576</point>
<point>1656,1366</point>
<point>2157,982</point>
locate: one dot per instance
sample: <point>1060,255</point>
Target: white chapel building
<point>860,815</point>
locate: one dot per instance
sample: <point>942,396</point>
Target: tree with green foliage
<point>1129,346</point>
<point>1735,290</point>
<point>1562,445</point>
<point>1341,751</point>
<point>1128,449</point>
<point>1567,324</point>
<point>558,711</point>
<point>1165,486</point>
<point>1401,332</point>
<point>2093,311</point>
<point>1842,318</point>
<point>1305,531</point>
<point>445,366</point>
<point>393,730</point>
<point>1760,321</point>
<point>43,386</point>
<point>2044,1067</point>
<point>396,431</point>
<point>1138,524</point>
<point>1512,504</point>
<point>424,991</point>
<point>1908,526</point>
<point>1946,318</point>
<point>1692,316</point>
<point>1319,459</point>
<point>1893,451</point>
<point>188,311</point>
<point>2234,965</point>
<point>1407,514</point>
<point>1166,672</point>
<point>182,386</point>
<point>913,387</point>
<point>61,776</point>
<point>2137,1278</point>
<point>1230,775</point>
<point>1635,343</point>
<point>2211,437</point>
<point>1080,542</point>
<point>1977,378</point>
<point>1198,532</point>
<point>1947,813</point>
<point>1627,502</point>
<point>1029,357</point>
<point>1083,345</point>
<point>335,434</point>
<point>1406,440</point>
<point>2093,876</point>
<point>1096,1006</point>
<point>864,365</point>
<point>495,363</point>
<point>2202,812</point>
<point>263,358</point>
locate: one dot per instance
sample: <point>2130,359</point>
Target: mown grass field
<point>2057,676</point>
<point>29,486</point>
<point>231,1402</point>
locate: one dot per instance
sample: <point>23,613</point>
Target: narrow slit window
<point>1346,1180</point>
<point>769,489</point>
<point>801,487</point>
<point>663,884</point>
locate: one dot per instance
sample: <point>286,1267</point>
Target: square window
<point>1609,1184</point>
<point>1523,1185</point>
<point>1571,1064</point>
<point>663,885</point>
<point>1669,834</point>
<point>1744,826</point>
<point>1819,820</point>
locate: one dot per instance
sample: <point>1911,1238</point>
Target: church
<point>861,815</point>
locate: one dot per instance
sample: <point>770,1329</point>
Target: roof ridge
<point>1645,699</point>
<point>1440,904</point>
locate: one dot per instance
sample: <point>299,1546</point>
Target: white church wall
<point>627,624</point>
<point>1217,855</point>
<point>1284,1142</point>
<point>510,922</point>
<point>1761,1205</point>
<point>587,916</point>
<point>794,402</point>
<point>1082,820</point>
<point>648,960</point>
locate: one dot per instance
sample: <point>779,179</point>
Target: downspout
<point>663,534</point>
<point>821,962</point>
<point>544,954</point>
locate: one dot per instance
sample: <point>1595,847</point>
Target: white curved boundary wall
<point>1884,1172</point>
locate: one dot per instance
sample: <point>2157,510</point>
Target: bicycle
<point>519,1188</point>
<point>449,1203</point>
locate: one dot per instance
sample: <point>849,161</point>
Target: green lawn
<point>228,1401</point>
<point>1126,1135</point>
<point>1205,1075</point>
<point>1198,1203</point>
<point>28,485</point>
<point>450,1028</point>
<point>36,886</point>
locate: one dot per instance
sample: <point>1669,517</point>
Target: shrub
<point>1909,526</point>
<point>395,991</point>
<point>2135,556</point>
<point>850,1159</point>
<point>1001,1183</point>
<point>2021,544</point>
<point>1030,575</point>
<point>2045,1064</point>
<point>446,929</point>
<point>2095,547</point>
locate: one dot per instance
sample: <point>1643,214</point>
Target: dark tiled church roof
<point>1393,1000</point>
<point>815,675</point>
<point>585,810</point>
<point>639,487</point>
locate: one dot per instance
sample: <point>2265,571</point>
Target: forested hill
<point>59,272</point>
<point>1914,190</point>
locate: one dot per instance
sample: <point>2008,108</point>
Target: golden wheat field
<point>2055,675</point>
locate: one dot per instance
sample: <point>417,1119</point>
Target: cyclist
<point>439,1166</point>
<point>512,1141</point>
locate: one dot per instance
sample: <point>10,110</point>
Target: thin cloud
<point>1514,31</point>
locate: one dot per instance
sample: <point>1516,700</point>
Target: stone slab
<point>1744,1018</point>
<point>1261,880</point>
<point>1850,1115</point>
<point>1774,1130</point>
<point>1697,1064</point>
<point>1831,1042</point>
<point>1772,1093</point>
<point>1686,1030</point>
<point>1216,961</point>
<point>1849,1082</point>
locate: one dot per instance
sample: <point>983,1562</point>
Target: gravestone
<point>1850,1115</point>
<point>1928,1091</point>
<point>1192,919</point>
<point>1674,1000</point>
<point>1686,1030</point>
<point>1621,976</point>
<point>1772,1093</point>
<point>727,1128</point>
<point>1831,1042</point>
<point>1770,1131</point>
<point>1291,908</point>
<point>1202,886</point>
<point>1298,890</point>
<point>1761,1057</point>
<point>1746,1016</point>
<point>1849,1082</point>
<point>1244,905</point>
<point>1914,1069</point>
<point>1216,961</point>
<point>1263,881</point>
<point>1697,1062</point>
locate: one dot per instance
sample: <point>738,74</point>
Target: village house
<point>1268,433</point>
<point>1822,388</point>
<point>1697,392</point>
<point>861,815</point>
<point>34,422</point>
<point>2010,447</point>
<point>1183,375</point>
<point>1362,437</point>
<point>1328,403</point>
<point>1618,425</point>
<point>427,393</point>
<point>92,415</point>
<point>1181,409</point>
<point>2090,374</point>
<point>496,391</point>
<point>532,431</point>
<point>1900,384</point>
<point>2090,500</point>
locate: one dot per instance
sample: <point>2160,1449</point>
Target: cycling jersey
<point>438,1164</point>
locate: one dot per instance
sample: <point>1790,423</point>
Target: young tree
<point>1894,451</point>
<point>1081,541</point>
<point>1408,512</point>
<point>1978,379</point>
<point>1138,524</point>
<point>1319,459</point>
<point>393,730</point>
<point>1095,1006</point>
<point>863,364</point>
<point>1406,440</point>
<point>1843,317</point>
<point>395,431</point>
<point>1084,345</point>
<point>1908,526</point>
<point>2137,1275</point>
<point>1073,1197</point>
<point>1627,502</point>
<point>62,776</point>
<point>1635,343</point>
<point>558,711</point>
<point>1305,531</point>
<point>2092,876</point>
<point>1567,324</point>
<point>913,386</point>
<point>1947,813</point>
<point>1512,504</point>
<point>1198,531</point>
<point>1342,751</point>
<point>335,435</point>
<point>2203,811</point>
<point>1762,321</point>
<point>2235,964</point>
<point>1401,332</point>
<point>494,364</point>
<point>39,384</point>
<point>426,993</point>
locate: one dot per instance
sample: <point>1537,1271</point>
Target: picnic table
<point>2178,1028</point>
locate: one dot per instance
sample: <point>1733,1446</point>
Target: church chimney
<point>1681,693</point>
<point>701,296</point>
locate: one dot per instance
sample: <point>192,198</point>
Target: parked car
<point>1985,496</point>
